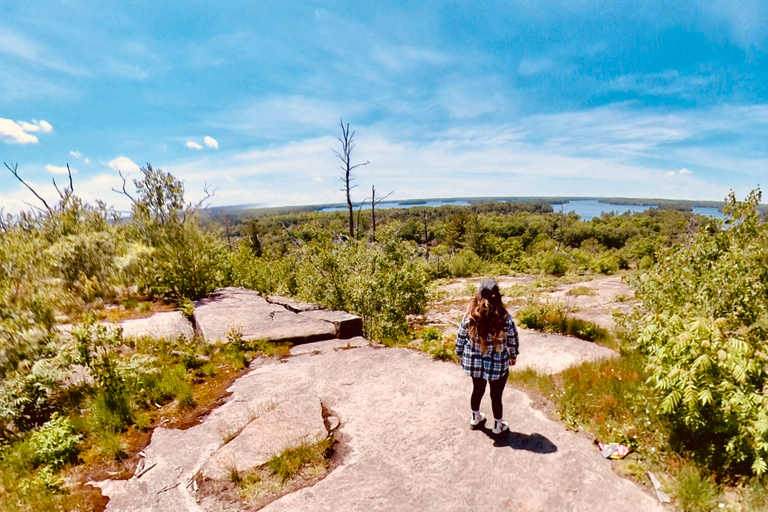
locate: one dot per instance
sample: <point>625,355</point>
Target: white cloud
<point>13,132</point>
<point>670,173</point>
<point>211,142</point>
<point>193,145</point>
<point>53,169</point>
<point>87,160</point>
<point>123,163</point>
<point>75,154</point>
<point>685,171</point>
<point>36,126</point>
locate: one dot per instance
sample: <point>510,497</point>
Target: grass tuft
<point>694,491</point>
<point>554,318</point>
<point>288,463</point>
<point>582,290</point>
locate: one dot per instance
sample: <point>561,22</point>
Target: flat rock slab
<point>606,295</point>
<point>404,444</point>
<point>552,353</point>
<point>292,304</point>
<point>321,347</point>
<point>255,318</point>
<point>346,324</point>
<point>169,325</point>
<point>289,424</point>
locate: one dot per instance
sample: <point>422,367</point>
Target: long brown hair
<point>487,316</point>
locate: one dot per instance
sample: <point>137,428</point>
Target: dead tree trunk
<point>347,140</point>
<point>374,202</point>
<point>426,233</point>
<point>373,211</point>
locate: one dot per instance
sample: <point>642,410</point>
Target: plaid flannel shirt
<point>492,364</point>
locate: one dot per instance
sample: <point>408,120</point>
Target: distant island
<point>677,204</point>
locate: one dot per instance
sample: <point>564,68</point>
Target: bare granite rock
<point>293,422</point>
<point>404,444</point>
<point>552,353</point>
<point>255,318</point>
<point>322,347</point>
<point>347,325</point>
<point>169,325</point>
<point>292,304</point>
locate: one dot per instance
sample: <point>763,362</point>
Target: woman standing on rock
<point>487,344</point>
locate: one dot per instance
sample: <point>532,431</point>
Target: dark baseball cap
<point>489,289</point>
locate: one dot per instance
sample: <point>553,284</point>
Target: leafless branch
<point>124,191</point>
<point>383,198</point>
<point>293,238</point>
<point>33,206</point>
<point>15,171</point>
<point>61,195</point>
<point>359,211</point>
<point>359,165</point>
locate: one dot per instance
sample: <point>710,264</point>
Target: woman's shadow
<point>535,442</point>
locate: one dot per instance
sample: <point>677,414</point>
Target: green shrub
<point>695,492</point>
<point>705,340</point>
<point>555,263</point>
<point>606,263</point>
<point>466,263</point>
<point>55,443</point>
<point>554,318</point>
<point>430,334</point>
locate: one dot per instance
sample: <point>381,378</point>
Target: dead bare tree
<point>426,233</point>
<point>65,195</point>
<point>374,202</point>
<point>15,171</point>
<point>347,140</point>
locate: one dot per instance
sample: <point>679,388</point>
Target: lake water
<point>584,208</point>
<point>589,208</point>
<point>396,204</point>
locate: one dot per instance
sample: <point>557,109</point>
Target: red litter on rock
<point>613,450</point>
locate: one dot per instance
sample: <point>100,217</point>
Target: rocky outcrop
<point>169,325</point>
<point>346,325</point>
<point>403,443</point>
<point>271,432</point>
<point>257,318</point>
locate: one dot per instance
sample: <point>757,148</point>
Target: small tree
<point>347,140</point>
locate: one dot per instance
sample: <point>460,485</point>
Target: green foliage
<point>172,254</point>
<point>612,400</point>
<point>438,345</point>
<point>383,283</point>
<point>555,318</point>
<point>694,492</point>
<point>466,263</point>
<point>704,338</point>
<point>285,465</point>
<point>55,443</point>
<point>555,263</point>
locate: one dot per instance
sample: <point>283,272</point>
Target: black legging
<point>497,389</point>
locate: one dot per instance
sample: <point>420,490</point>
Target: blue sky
<point>484,98</point>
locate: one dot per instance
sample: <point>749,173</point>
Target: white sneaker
<point>500,426</point>
<point>475,422</point>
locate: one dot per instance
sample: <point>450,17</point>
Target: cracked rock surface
<point>403,442</point>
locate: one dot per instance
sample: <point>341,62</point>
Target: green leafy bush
<point>466,263</point>
<point>705,339</point>
<point>383,283</point>
<point>555,263</point>
<point>55,443</point>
